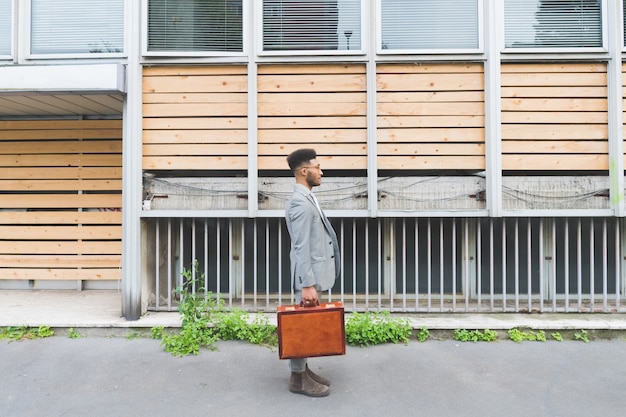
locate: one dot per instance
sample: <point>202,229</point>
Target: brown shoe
<point>317,378</point>
<point>302,383</point>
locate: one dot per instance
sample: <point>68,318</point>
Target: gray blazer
<point>315,258</point>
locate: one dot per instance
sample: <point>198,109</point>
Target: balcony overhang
<point>79,90</point>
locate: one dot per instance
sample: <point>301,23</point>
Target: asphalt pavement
<point>125,376</point>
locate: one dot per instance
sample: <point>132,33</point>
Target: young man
<point>314,256</point>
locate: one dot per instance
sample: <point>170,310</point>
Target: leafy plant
<point>364,329</point>
<point>583,336</point>
<point>73,334</point>
<point>205,320</point>
<point>25,332</point>
<point>464,335</point>
<point>423,334</point>
<point>557,336</point>
<point>519,336</point>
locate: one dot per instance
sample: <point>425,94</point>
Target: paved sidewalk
<point>100,375</point>
<point>102,310</point>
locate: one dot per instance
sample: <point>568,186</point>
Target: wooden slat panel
<point>555,131</point>
<point>214,136</point>
<point>327,162</point>
<point>194,70</point>
<point>446,162</point>
<point>431,109</point>
<point>429,68</point>
<point>554,104</point>
<point>193,84</point>
<point>46,232</point>
<point>59,201</point>
<point>553,79</point>
<point>195,109</point>
<point>60,217</point>
<point>406,149</point>
<point>34,134</point>
<point>61,173</point>
<point>311,122</point>
<point>60,261</point>
<point>582,67</point>
<point>414,135</point>
<point>554,92</point>
<point>63,160</point>
<point>60,274</point>
<point>330,149</point>
<point>60,185</point>
<point>555,117</point>
<point>61,147</point>
<point>427,82</point>
<point>430,121</point>
<point>202,162</point>
<point>430,96</point>
<point>307,83</point>
<point>196,123</point>
<point>59,124</point>
<point>67,247</point>
<point>314,69</point>
<point>550,162</point>
<point>273,136</point>
<point>196,149</point>
<point>313,97</point>
<point>546,146</point>
<point>208,98</point>
<point>313,109</point>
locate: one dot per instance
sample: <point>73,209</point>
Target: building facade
<point>473,150</point>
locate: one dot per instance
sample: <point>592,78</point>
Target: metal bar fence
<point>420,265</point>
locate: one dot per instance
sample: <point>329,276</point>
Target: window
<point>553,23</point>
<point>195,25</point>
<point>6,27</point>
<point>77,26</point>
<point>323,25</point>
<point>429,25</point>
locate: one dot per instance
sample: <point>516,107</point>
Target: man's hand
<point>309,297</point>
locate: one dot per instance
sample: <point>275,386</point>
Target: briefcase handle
<point>303,304</point>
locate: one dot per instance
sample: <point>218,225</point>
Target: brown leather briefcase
<point>305,332</point>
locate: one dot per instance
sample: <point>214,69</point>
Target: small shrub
<point>583,336</point>
<point>557,336</point>
<point>519,336</point>
<point>463,335</point>
<point>423,334</point>
<point>365,329</point>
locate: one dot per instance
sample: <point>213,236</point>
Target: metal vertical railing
<point>400,265</point>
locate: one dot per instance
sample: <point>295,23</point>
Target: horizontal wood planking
<point>213,163</point>
<point>61,274</point>
<point>319,106</point>
<point>430,162</point>
<point>61,261</point>
<point>63,201</point>
<point>64,183</point>
<point>554,116</point>
<point>61,173</point>
<point>60,217</point>
<point>430,116</point>
<point>60,232</point>
<point>195,118</point>
<point>326,161</point>
<point>92,247</point>
<point>61,185</point>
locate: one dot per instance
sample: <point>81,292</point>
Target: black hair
<point>300,157</point>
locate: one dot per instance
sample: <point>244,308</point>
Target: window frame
<point>82,55</point>
<point>245,18</point>
<point>421,51</point>
<point>559,49</point>
<point>12,26</point>
<point>365,39</point>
